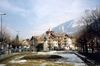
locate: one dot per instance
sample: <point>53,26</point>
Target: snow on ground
<point>19,57</point>
<point>34,52</point>
<point>80,64</point>
<point>19,61</point>
<point>43,64</point>
<point>44,53</point>
<point>81,55</point>
<point>92,61</point>
<point>70,58</point>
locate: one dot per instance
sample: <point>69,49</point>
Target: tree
<point>16,42</point>
<point>5,34</point>
<point>39,47</point>
<point>90,28</point>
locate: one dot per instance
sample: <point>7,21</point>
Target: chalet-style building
<point>25,44</point>
<point>53,40</point>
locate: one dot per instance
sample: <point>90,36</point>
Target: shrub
<point>39,47</point>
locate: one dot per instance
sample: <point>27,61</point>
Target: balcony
<point>65,38</point>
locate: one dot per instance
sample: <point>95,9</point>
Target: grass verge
<point>41,57</point>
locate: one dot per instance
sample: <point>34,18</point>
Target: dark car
<point>14,50</point>
<point>25,49</point>
<point>2,51</point>
<point>19,50</point>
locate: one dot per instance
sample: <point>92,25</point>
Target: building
<point>25,44</point>
<point>53,40</point>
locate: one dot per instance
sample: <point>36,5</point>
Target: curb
<point>85,59</point>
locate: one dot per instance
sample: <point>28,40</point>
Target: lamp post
<point>1,25</point>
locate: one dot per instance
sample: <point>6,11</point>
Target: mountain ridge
<point>68,27</point>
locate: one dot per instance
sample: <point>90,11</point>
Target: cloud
<point>58,11</point>
<point>36,32</point>
<point>50,13</point>
<point>45,14</point>
<point>5,5</point>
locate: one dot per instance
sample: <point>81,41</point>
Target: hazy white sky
<point>34,17</point>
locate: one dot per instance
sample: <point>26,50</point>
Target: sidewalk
<point>86,59</point>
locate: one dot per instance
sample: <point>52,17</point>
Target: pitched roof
<point>36,37</point>
<point>58,34</point>
<point>41,37</point>
<point>69,35</point>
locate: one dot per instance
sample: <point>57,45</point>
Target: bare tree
<point>90,28</point>
<point>6,33</point>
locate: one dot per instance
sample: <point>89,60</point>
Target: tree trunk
<point>92,47</point>
<point>85,45</point>
<point>97,45</point>
<point>89,45</point>
<point>81,47</point>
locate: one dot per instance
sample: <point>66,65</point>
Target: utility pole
<point>1,26</point>
<point>1,31</point>
<point>1,23</point>
<point>18,32</point>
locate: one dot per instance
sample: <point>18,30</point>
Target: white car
<point>66,48</point>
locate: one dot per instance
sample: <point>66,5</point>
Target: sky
<point>35,17</point>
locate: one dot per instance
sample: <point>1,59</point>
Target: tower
<point>49,31</point>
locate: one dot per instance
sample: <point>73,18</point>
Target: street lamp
<point>1,24</point>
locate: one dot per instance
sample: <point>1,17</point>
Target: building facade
<point>53,41</point>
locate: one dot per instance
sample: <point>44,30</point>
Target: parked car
<point>19,50</point>
<point>97,51</point>
<point>14,50</point>
<point>25,49</point>
<point>89,50</point>
<point>66,48</point>
<point>2,52</point>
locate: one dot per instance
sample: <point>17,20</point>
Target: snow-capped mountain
<point>69,27</point>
